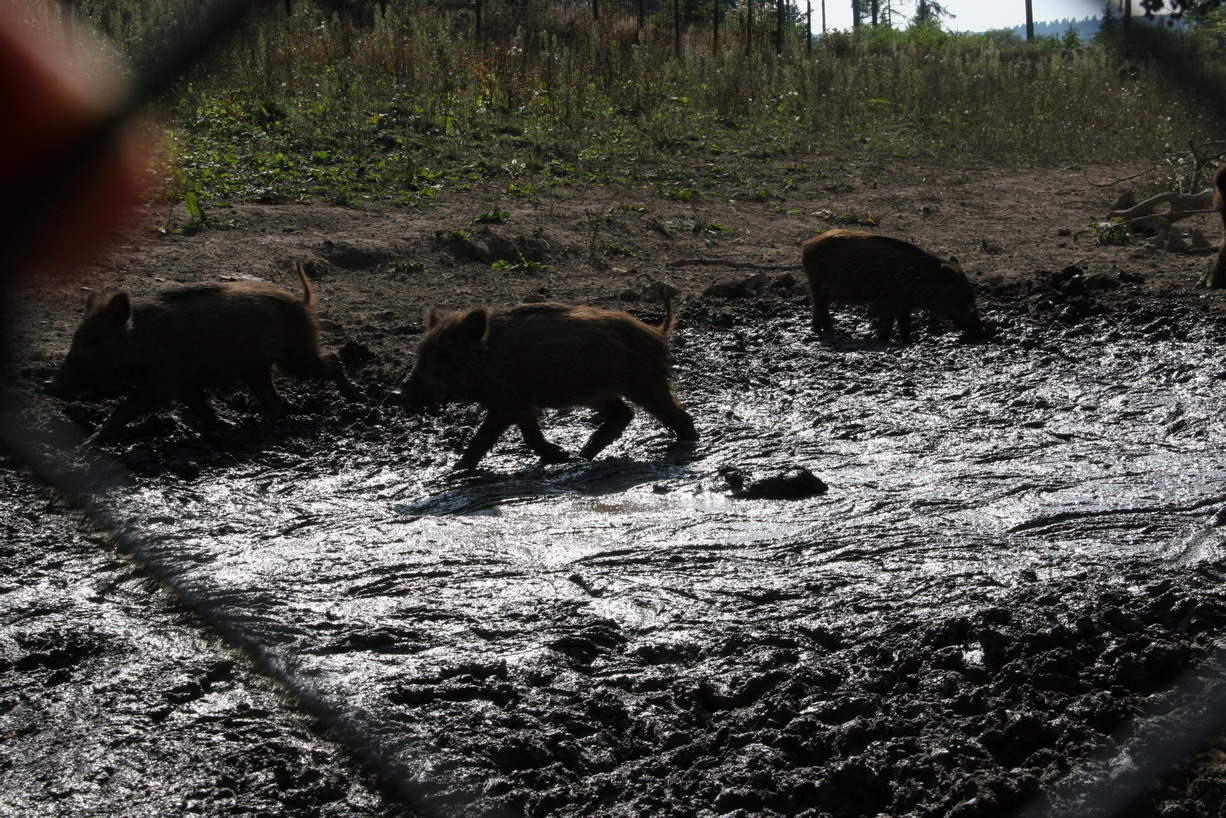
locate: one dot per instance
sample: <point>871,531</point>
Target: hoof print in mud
<point>750,287</point>
<point>793,484</point>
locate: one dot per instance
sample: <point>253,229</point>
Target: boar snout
<point>57,384</point>
<point>67,383</point>
<point>56,387</point>
<point>413,398</point>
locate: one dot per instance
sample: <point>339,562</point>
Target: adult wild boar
<point>1217,276</point>
<point>172,345</point>
<point>892,276</point>
<point>546,356</point>
<point>1219,193</point>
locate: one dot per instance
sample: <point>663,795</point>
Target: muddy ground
<point>987,580</point>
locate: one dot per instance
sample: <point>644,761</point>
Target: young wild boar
<point>1219,193</point>
<point>545,356</point>
<point>892,276</point>
<point>1217,277</point>
<point>170,346</point>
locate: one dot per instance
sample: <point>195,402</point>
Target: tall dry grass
<point>407,100</point>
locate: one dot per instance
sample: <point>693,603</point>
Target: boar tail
<point>670,316</point>
<point>308,291</point>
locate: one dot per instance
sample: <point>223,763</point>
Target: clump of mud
<point>791,484</point>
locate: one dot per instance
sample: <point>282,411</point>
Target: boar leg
<point>617,416</point>
<point>123,414</point>
<point>260,382</point>
<point>204,413</point>
<point>664,407</point>
<point>487,435</point>
<point>821,312</point>
<point>326,367</point>
<point>904,326</point>
<point>336,373</point>
<point>548,452</point>
<point>885,316</point>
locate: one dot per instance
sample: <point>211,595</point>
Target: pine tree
<point>927,10</point>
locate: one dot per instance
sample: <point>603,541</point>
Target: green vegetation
<point>714,228</point>
<point>846,217</point>
<point>613,249</point>
<point>1111,233</point>
<point>493,217</point>
<point>404,103</point>
<point>522,266</point>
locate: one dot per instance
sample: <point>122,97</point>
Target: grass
<point>407,103</point>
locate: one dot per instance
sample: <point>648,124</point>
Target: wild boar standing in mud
<point>546,356</point>
<point>892,276</point>
<point>1217,278</point>
<point>172,345</point>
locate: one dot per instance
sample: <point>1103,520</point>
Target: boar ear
<point>433,317</point>
<point>474,322</point>
<point>118,308</point>
<point>953,264</point>
<point>92,301</point>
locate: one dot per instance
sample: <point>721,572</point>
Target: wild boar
<point>1217,276</point>
<point>1219,193</point>
<point>172,345</point>
<point>546,356</point>
<point>892,276</point>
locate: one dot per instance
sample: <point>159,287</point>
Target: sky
<point>972,15</point>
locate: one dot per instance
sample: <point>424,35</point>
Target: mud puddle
<point>1020,545</point>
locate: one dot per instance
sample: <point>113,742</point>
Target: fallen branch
<point>1194,150</point>
<point>1181,205</point>
<point>1169,217</point>
<point>724,262</point>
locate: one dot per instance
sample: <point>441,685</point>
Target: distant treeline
<point>1086,28</point>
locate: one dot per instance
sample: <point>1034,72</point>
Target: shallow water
<point>463,631</point>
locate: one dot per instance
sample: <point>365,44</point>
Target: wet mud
<point>951,578</point>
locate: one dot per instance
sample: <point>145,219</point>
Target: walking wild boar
<point>892,276</point>
<point>545,356</point>
<point>1217,276</point>
<point>172,345</point>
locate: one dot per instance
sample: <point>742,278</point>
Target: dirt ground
<point>123,691</point>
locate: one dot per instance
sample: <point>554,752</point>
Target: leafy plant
<point>847,217</point>
<point>1111,233</point>
<point>493,217</point>
<point>521,265</point>
<point>711,227</point>
<point>195,212</point>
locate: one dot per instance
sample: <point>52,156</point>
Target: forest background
<point>351,100</point>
